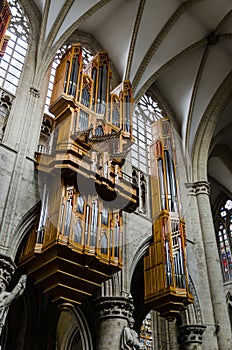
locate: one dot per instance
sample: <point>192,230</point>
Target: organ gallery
<point>77,243</point>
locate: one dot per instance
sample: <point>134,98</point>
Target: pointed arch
<point>206,129</point>
<point>73,330</point>
<point>23,228</point>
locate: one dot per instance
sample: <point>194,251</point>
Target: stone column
<point>113,315</point>
<point>198,270</point>
<point>218,299</point>
<point>190,337</point>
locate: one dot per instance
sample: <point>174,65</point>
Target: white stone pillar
<point>198,270</point>
<point>218,299</point>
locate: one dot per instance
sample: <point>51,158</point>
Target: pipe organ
<point>77,242</point>
<point>165,267</point>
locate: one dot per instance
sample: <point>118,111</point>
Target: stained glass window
<point>223,223</point>
<point>146,332</point>
<point>11,64</point>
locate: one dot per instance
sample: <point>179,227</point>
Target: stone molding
<point>191,334</point>
<point>114,307</point>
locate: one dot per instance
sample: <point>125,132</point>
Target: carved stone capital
<point>34,92</point>
<point>115,307</point>
<point>191,334</point>
<point>7,270</point>
<point>201,187</point>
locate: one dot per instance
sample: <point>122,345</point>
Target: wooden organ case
<point>165,267</point>
<point>77,242</point>
<point>5,16</point>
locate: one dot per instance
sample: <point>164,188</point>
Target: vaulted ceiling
<point>182,49</point>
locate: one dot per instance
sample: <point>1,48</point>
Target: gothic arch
<point>31,322</point>
<point>23,228</point>
<point>206,129</point>
<point>73,331</point>
<point>192,315</point>
<point>138,256</point>
<point>33,16</point>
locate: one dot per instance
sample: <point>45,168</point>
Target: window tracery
<point>150,108</point>
<point>146,112</point>
<point>12,62</point>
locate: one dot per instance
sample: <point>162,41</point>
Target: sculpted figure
<point>129,338</point>
<point>6,298</point>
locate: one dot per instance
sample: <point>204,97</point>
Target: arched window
<point>11,64</point>
<point>146,112</point>
<point>223,228</point>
